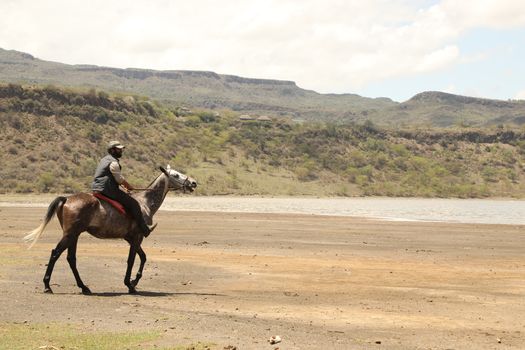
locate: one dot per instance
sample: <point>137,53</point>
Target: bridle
<point>186,183</point>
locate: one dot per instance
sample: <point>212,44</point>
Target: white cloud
<point>438,59</point>
<point>329,46</point>
<point>486,13</point>
<point>520,95</point>
<point>473,92</point>
<point>451,89</point>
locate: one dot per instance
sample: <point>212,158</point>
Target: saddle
<point>114,203</point>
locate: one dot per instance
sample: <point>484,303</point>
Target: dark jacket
<point>104,181</point>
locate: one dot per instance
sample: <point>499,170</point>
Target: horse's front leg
<point>142,257</point>
<point>131,261</point>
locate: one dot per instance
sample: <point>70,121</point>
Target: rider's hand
<point>127,186</point>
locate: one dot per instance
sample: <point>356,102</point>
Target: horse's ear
<point>163,170</point>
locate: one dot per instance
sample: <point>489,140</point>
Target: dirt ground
<point>318,282</point>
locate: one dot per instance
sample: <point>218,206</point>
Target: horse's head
<point>179,181</point>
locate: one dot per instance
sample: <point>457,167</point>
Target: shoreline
<point>468,211</point>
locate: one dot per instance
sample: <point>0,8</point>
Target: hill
<point>192,88</point>
<point>261,96</point>
<point>443,110</point>
<point>53,138</point>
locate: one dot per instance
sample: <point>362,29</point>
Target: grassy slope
<point>53,139</point>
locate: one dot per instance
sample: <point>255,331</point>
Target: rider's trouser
<point>132,207</point>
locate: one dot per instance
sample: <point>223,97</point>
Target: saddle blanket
<point>114,203</point>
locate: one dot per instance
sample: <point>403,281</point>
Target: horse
<point>83,212</point>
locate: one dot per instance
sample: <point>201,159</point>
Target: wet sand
<point>319,282</point>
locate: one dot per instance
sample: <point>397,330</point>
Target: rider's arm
<point>115,170</point>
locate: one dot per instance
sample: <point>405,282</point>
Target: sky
<point>373,48</point>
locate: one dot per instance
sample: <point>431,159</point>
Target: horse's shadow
<point>152,294</point>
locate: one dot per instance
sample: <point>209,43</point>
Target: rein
<point>183,186</point>
<point>185,183</point>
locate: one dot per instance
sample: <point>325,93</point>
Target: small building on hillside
<point>183,111</point>
<point>264,118</point>
<point>246,117</point>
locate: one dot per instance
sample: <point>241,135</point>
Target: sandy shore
<point>319,282</point>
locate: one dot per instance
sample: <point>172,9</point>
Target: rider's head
<point>115,149</point>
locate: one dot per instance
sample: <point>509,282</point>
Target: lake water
<point>483,211</point>
<point>397,209</point>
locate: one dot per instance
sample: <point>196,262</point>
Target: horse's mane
<point>151,183</point>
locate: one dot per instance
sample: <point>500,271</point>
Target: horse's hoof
<point>86,291</point>
<point>48,291</point>
<point>132,291</point>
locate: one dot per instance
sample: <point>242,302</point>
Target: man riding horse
<point>84,212</point>
<point>107,179</point>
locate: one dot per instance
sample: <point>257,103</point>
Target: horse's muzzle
<point>190,186</point>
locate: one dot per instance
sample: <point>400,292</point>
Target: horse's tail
<point>51,210</point>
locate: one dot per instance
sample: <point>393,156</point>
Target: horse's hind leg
<point>72,260</point>
<point>55,254</point>
<point>142,257</point>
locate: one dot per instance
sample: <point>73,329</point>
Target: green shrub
<point>46,181</point>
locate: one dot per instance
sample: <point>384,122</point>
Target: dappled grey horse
<point>84,212</point>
